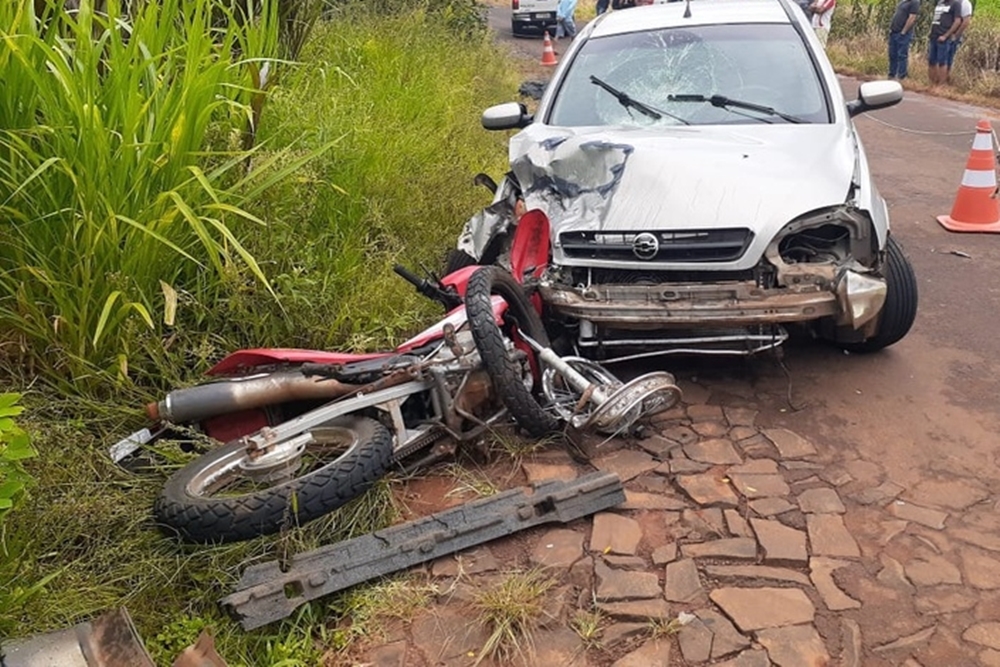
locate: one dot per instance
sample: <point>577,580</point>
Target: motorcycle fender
<point>529,250</point>
<point>459,279</point>
<point>456,318</point>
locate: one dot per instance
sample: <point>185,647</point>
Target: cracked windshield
<point>670,76</point>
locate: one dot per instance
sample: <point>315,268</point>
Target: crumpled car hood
<point>623,179</point>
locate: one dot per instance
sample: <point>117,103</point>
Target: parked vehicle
<point>529,17</point>
<point>307,430</point>
<point>705,186</point>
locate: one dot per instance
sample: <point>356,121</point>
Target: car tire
<point>900,308</point>
<point>457,259</point>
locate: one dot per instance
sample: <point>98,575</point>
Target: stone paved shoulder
<point>740,546</point>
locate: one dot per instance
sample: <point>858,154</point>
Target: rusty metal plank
<point>266,593</point>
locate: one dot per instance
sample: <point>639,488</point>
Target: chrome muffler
<point>194,404</point>
<point>110,640</point>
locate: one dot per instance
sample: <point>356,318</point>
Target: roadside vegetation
<point>858,45</point>
<point>511,610</point>
<point>187,180</point>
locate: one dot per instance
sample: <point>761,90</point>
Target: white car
<point>704,186</point>
<point>533,17</point>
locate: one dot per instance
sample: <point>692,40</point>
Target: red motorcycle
<point>307,431</point>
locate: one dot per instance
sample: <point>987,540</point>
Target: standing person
<point>947,20</point>
<point>565,26</point>
<point>602,6</point>
<point>956,39</point>
<point>900,37</point>
<point>822,18</point>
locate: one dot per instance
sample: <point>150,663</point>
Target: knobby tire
<point>490,341</point>
<point>196,518</point>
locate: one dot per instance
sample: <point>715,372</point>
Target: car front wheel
<point>900,308</point>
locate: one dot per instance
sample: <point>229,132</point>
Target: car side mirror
<point>509,116</point>
<point>876,95</point>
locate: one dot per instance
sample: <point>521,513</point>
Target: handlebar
<point>431,289</point>
<point>410,277</point>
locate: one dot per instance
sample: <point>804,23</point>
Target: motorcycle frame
<point>388,395</point>
<point>529,256</point>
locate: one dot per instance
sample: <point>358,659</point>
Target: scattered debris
<point>268,592</point>
<point>201,654</point>
<point>960,253</point>
<point>532,89</point>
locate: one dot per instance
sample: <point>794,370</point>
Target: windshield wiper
<point>724,102</point>
<point>630,103</point>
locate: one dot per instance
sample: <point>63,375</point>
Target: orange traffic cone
<point>976,206</point>
<point>548,53</point>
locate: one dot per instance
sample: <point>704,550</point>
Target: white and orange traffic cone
<point>976,206</point>
<point>548,53</point>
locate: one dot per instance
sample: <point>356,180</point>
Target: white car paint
<point>703,177</point>
<point>831,154</point>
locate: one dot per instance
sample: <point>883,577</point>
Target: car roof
<point>703,12</point>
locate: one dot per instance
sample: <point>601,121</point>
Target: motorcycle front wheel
<point>505,372</point>
<point>223,497</point>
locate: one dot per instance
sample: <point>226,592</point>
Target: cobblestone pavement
<point>776,549</point>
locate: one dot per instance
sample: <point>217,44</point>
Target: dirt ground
<point>902,443</point>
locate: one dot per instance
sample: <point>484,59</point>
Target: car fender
<point>865,194</point>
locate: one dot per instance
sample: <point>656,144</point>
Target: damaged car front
<point>704,186</point>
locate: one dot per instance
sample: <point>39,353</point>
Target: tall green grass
<point>990,8</point>
<point>133,243</point>
<point>398,97</point>
<point>111,197</point>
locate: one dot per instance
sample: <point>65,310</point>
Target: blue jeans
<point>602,6</point>
<point>565,27</point>
<point>954,44</point>
<point>938,52</point>
<point>899,54</point>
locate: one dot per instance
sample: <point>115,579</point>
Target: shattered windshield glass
<point>760,64</point>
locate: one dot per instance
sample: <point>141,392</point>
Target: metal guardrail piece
<point>266,593</point>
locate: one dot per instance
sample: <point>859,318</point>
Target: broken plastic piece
<point>200,654</point>
<point>266,593</point>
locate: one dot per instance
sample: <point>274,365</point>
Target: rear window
<point>764,64</point>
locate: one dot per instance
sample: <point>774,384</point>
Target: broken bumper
<point>854,300</point>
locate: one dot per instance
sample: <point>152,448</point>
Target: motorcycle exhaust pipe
<point>110,640</point>
<point>193,404</point>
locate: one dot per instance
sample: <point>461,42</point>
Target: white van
<point>533,16</point>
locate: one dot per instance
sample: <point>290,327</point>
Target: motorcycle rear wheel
<point>507,375</point>
<point>214,499</point>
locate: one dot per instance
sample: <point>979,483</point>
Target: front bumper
<point>854,299</point>
<point>533,22</point>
